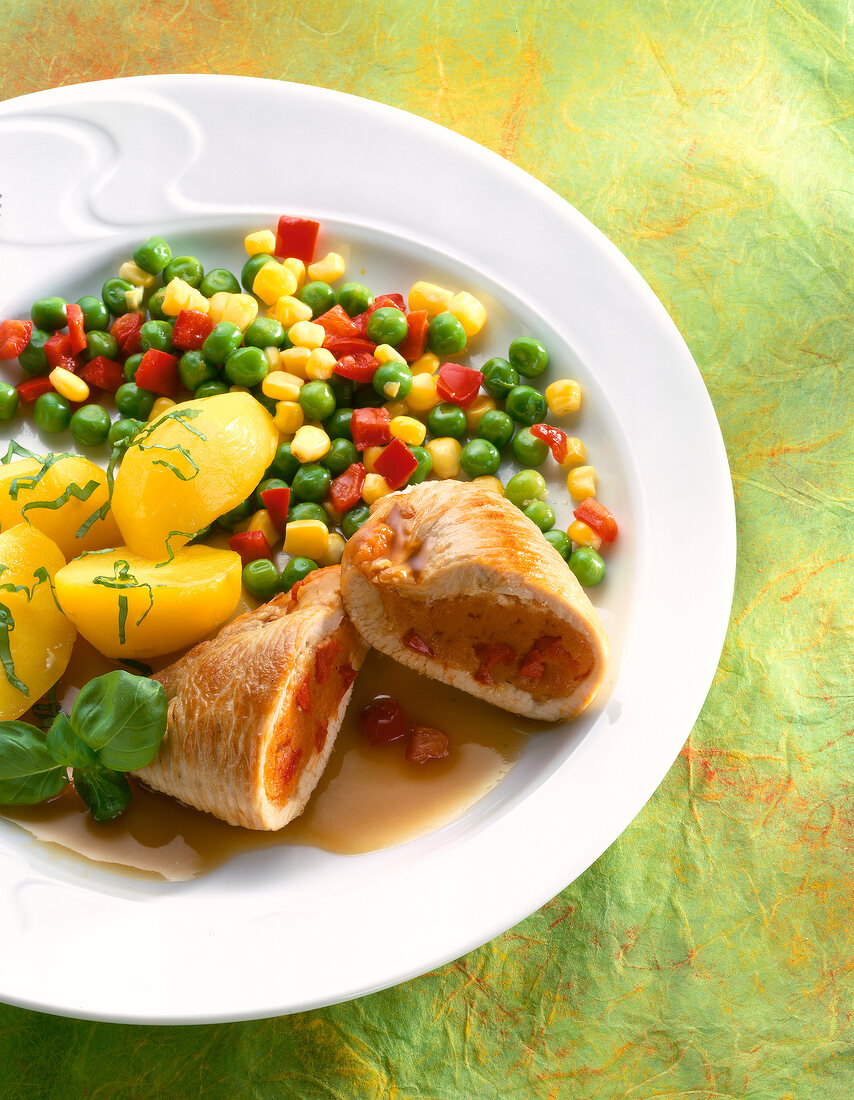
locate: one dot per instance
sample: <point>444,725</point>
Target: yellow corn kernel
<point>396,408</point>
<point>583,535</point>
<point>306,538</point>
<point>274,281</point>
<point>272,356</point>
<point>160,406</point>
<point>238,389</point>
<point>134,299</point>
<point>68,384</point>
<point>581,482</point>
<point>297,267</point>
<point>423,394</point>
<point>320,364</point>
<point>385,353</point>
<point>327,270</point>
<point>335,544</point>
<point>408,429</point>
<point>240,310</point>
<point>445,453</point>
<point>468,311</point>
<point>262,241</point>
<point>310,444</point>
<point>576,453</point>
<point>305,334</point>
<point>329,509</point>
<point>281,386</point>
<point>289,417</point>
<point>482,404</point>
<point>563,397</point>
<point>375,487</point>
<point>369,457</point>
<point>435,299</point>
<point>490,483</point>
<point>134,274</point>
<point>288,310</point>
<point>294,360</point>
<point>216,305</point>
<point>180,295</point>
<point>261,521</point>
<point>428,363</point>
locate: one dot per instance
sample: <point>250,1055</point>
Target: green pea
<point>526,405</point>
<point>446,335</point>
<point>214,388</point>
<point>387,325</point>
<point>525,487</point>
<point>392,380</point>
<point>311,482</point>
<point>497,427</point>
<point>261,579</point>
<point>133,401</point>
<point>528,356</point>
<point>9,399</point>
<point>156,335</point>
<point>424,467</point>
<point>499,377</point>
<point>49,314</point>
<point>114,292</point>
<point>90,426</point>
<point>219,281</point>
<point>230,519</point>
<point>318,296</point>
<point>33,358</point>
<point>187,268</point>
<point>317,400</point>
<point>447,419</point>
<point>528,450</point>
<point>96,316</point>
<point>338,424</point>
<point>155,305</point>
<point>269,403</point>
<point>194,369</point>
<point>153,255</point>
<point>285,463</point>
<point>343,389</point>
<point>100,343</point>
<point>587,565</point>
<point>540,513</point>
<point>560,541</point>
<point>251,268</point>
<point>267,483</point>
<point>264,332</point>
<point>341,455</point>
<point>246,366</point>
<point>479,457</point>
<point>353,519</point>
<point>308,510</point>
<point>222,340</point>
<point>354,298</point>
<point>122,431</point>
<point>366,397</point>
<point>131,366</point>
<point>296,570</point>
<point>52,412</point>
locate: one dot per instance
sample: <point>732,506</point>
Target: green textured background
<point>710,952</point>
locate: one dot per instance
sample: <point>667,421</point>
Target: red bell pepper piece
<point>345,491</point>
<point>59,354</point>
<point>556,438</point>
<point>191,329</point>
<point>277,502</point>
<point>104,373</point>
<point>370,428</point>
<point>337,322</point>
<point>458,384</point>
<point>250,545</point>
<point>597,517</point>
<point>396,463</point>
<point>359,367</point>
<point>32,388</point>
<point>158,372</point>
<point>384,721</point>
<point>417,644</point>
<point>75,327</point>
<point>296,237</point>
<point>349,345</point>
<point>415,340</point>
<point>14,337</point>
<point>126,331</point>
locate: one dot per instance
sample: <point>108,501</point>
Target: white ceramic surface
<point>90,171</point>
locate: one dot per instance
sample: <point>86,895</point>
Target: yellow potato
<point>127,606</point>
<point>59,524</point>
<point>199,460</point>
<point>40,641</point>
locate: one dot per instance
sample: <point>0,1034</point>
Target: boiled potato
<point>59,524</point>
<point>199,460</point>
<point>40,641</point>
<point>127,606</point>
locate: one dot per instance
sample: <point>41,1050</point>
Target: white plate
<point>89,171</point>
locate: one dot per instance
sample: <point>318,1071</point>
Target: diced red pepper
<point>415,340</point>
<point>396,463</point>
<point>158,372</point>
<point>427,743</point>
<point>296,237</point>
<point>58,353</point>
<point>337,322</point>
<point>104,373</point>
<point>384,721</point>
<point>304,694</point>
<point>292,765</point>
<point>555,438</point>
<point>458,384</point>
<point>532,666</point>
<point>125,329</point>
<point>191,329</point>
<point>250,545</point>
<point>597,517</point>
<point>345,491</point>
<point>348,675</point>
<point>75,327</point>
<point>348,345</point>
<point>32,388</point>
<point>417,644</point>
<point>370,428</point>
<point>14,337</point>
<point>320,735</point>
<point>324,659</point>
<point>359,367</point>
<point>277,501</point>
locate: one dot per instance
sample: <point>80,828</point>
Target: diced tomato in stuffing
<point>324,659</point>
<point>532,666</point>
<point>14,337</point>
<point>304,694</point>
<point>292,765</point>
<point>489,655</point>
<point>320,735</point>
<point>417,644</point>
<point>384,721</point>
<point>427,743</point>
<point>598,518</point>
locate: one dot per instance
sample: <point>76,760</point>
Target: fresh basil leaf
<point>123,718</point>
<point>65,746</point>
<point>106,793</point>
<point>28,773</point>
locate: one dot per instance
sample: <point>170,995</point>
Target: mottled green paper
<point>710,952</point>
